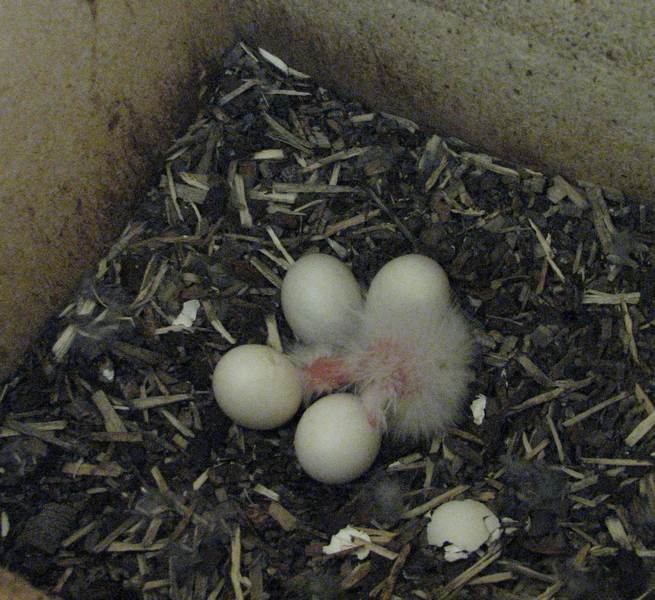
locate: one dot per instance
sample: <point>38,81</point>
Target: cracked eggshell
<point>257,387</point>
<point>347,538</point>
<point>463,524</point>
<point>334,441</point>
<point>321,299</point>
<point>407,281</point>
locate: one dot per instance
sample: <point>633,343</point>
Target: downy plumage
<point>412,368</point>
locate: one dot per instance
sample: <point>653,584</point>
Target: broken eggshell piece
<point>464,526</point>
<point>347,538</point>
<point>478,408</point>
<point>187,315</point>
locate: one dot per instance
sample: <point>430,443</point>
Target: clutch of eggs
<point>260,388</point>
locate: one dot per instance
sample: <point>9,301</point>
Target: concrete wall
<point>92,91</point>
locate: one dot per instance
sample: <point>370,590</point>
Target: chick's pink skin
<point>325,374</point>
<point>322,369</point>
<point>329,372</point>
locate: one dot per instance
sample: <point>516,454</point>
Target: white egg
<point>334,441</point>
<point>257,387</point>
<point>409,281</point>
<point>321,299</point>
<point>465,525</point>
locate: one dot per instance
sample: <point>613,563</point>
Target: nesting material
<point>171,500</point>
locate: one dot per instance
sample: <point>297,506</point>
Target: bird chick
<point>412,369</point>
<point>322,369</point>
<point>407,353</point>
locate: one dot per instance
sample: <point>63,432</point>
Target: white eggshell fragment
<point>321,299</point>
<point>334,441</point>
<point>257,387</point>
<point>478,408</point>
<point>187,315</point>
<point>408,281</point>
<point>464,525</point>
<point>347,538</point>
